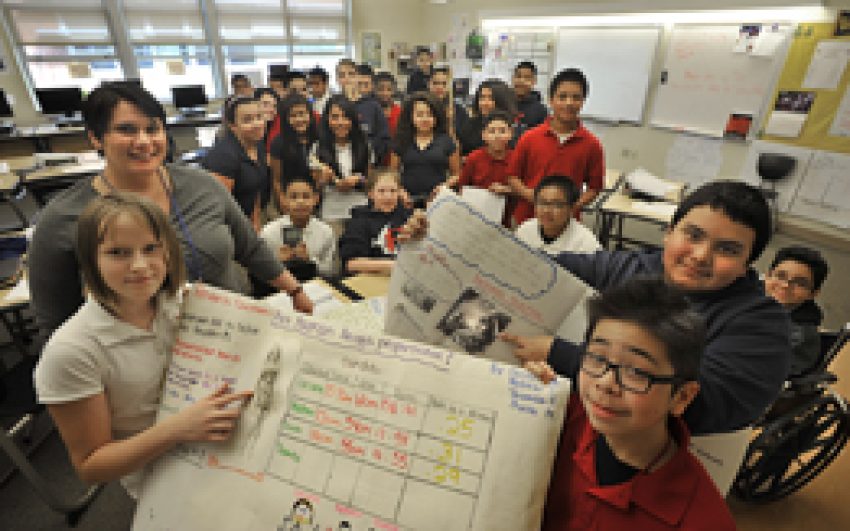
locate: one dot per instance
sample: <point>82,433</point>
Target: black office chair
<point>773,168</point>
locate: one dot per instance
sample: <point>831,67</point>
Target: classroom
<point>335,264</point>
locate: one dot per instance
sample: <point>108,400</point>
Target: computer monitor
<point>5,107</point>
<point>125,82</point>
<point>61,100</point>
<point>188,96</point>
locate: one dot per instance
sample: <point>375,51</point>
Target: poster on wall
<point>371,46</point>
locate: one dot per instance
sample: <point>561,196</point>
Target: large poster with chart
<point>348,430</point>
<point>471,279</point>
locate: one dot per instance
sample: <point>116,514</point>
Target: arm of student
<point>743,368</point>
<point>454,169</point>
<point>395,161</point>
<point>585,199</point>
<point>373,266</point>
<point>226,181</point>
<point>85,428</point>
<point>540,353</point>
<point>277,178</point>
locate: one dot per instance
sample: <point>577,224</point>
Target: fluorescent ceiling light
<point>779,14</point>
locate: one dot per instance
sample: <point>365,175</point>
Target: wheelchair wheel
<point>792,450</point>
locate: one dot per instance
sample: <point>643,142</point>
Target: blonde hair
<point>376,176</point>
<point>91,230</point>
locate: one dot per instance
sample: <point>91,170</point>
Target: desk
<point>618,207</point>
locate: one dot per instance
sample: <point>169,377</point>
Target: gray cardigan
<point>222,235</point>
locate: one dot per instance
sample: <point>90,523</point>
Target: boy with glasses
<point>551,230</point>
<point>623,461</point>
<point>794,280</point>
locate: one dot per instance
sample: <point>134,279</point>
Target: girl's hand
<point>325,175</point>
<point>302,303</point>
<point>414,229</point>
<point>347,183</point>
<point>301,251</point>
<point>284,254</point>
<point>209,419</point>
<point>452,181</point>
<point>405,198</point>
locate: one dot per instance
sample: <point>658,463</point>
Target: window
<point>319,33</point>
<point>170,45</point>
<point>65,44</point>
<point>253,35</point>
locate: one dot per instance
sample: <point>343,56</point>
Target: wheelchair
<point>800,435</point>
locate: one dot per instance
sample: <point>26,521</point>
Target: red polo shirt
<point>679,495</point>
<point>539,153</point>
<point>481,170</point>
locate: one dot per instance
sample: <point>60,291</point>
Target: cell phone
<point>291,236</point>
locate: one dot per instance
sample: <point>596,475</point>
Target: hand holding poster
<point>470,279</point>
<point>348,429</point>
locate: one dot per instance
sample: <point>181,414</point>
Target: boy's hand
<point>347,183</point>
<point>529,348</point>
<point>452,181</point>
<point>209,419</point>
<point>285,253</point>
<point>301,251</point>
<point>541,370</point>
<point>414,229</point>
<point>302,303</point>
<point>500,189</point>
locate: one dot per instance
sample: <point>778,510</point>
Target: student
<point>368,244</point>
<point>427,156</point>
<point>241,86</point>
<point>418,79</point>
<point>297,83</point>
<point>623,460</point>
<point>269,103</point>
<point>277,83</point>
<point>290,151</point>
<point>385,89</point>
<point>238,157</point>
<point>559,145</point>
<point>531,111</point>
<point>339,161</point>
<point>487,166</point>
<point>794,280</point>
<point>345,78</point>
<point>492,95</point>
<point>438,85</point>
<point>551,230</point>
<point>102,372</point>
<point>370,114</point>
<point>716,233</point>
<point>317,244</point>
<point>317,83</point>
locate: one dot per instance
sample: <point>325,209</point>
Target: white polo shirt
<point>318,236</point>
<point>94,352</point>
<point>576,238</point>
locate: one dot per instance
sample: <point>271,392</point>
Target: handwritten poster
<point>348,430</point>
<point>471,279</point>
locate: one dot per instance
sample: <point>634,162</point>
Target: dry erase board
<point>708,76</point>
<point>617,63</point>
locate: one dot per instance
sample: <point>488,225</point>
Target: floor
<point>821,505</point>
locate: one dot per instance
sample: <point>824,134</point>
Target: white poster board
<point>471,279</point>
<point>824,190</point>
<point>704,79</point>
<point>348,427</point>
<point>617,63</point>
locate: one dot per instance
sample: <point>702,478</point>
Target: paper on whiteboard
<point>785,124</point>
<point>694,160</point>
<point>786,188</point>
<point>841,121</point>
<point>824,189</point>
<point>827,66</point>
<point>361,430</point>
<point>488,203</point>
<point>643,181</point>
<point>767,43</point>
<point>471,279</point>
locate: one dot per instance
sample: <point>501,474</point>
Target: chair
<point>773,168</point>
<point>18,403</point>
<point>801,434</point>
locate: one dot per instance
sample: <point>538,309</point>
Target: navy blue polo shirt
<point>251,179</point>
<point>423,169</point>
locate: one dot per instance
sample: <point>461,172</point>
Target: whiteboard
<point>617,63</point>
<point>704,79</point>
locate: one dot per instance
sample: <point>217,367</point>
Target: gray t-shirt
<point>222,236</point>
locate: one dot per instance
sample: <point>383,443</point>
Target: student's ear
<point>96,144</point>
<point>682,397</point>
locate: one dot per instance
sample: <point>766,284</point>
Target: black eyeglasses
<point>628,377</point>
<point>794,282</point>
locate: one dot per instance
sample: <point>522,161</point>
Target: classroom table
<point>619,207</point>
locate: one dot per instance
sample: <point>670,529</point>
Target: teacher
<point>127,126</point>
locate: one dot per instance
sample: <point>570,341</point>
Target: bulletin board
<point>815,132</point>
<point>705,79</point>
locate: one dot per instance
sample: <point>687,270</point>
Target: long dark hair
<point>406,132</point>
<point>503,96</point>
<point>291,141</point>
<point>327,141</point>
